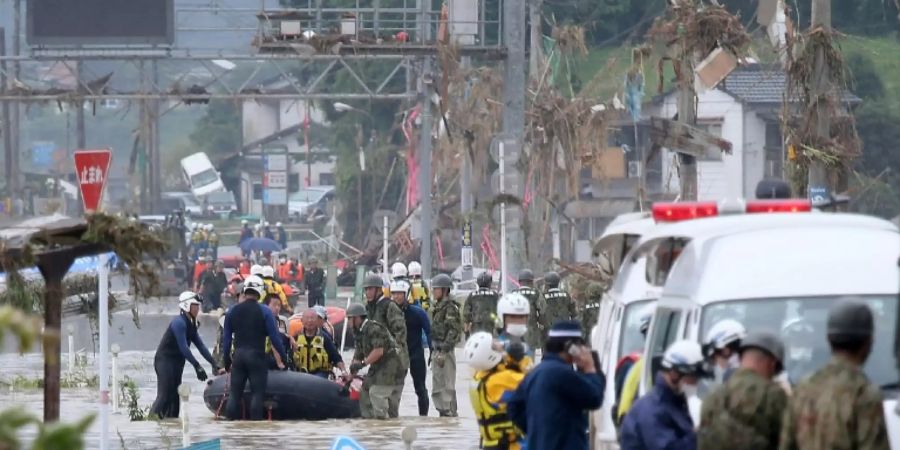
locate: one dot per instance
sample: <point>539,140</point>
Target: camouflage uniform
<point>560,306</point>
<point>376,399</point>
<point>387,313</point>
<point>591,311</point>
<point>446,329</point>
<point>537,306</point>
<point>835,408</point>
<point>745,413</point>
<point>480,311</point>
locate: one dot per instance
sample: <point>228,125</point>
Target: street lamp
<point>343,107</point>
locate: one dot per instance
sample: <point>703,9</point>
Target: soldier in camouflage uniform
<point>535,323</point>
<point>746,411</point>
<point>384,311</point>
<point>837,407</point>
<point>481,306</point>
<point>446,329</point>
<point>560,305</point>
<point>377,349</point>
<point>591,311</point>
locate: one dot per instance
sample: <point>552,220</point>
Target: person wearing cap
<point>418,290</point>
<point>197,243</point>
<point>551,404</point>
<point>281,235</point>
<point>323,323</point>
<point>746,411</point>
<point>316,353</point>
<point>591,311</point>
<point>535,336</point>
<point>480,310</point>
<point>418,335</point>
<point>315,283</point>
<point>837,407</point>
<point>172,353</point>
<point>660,420</point>
<point>560,305</point>
<point>446,330</point>
<point>212,283</point>
<point>721,348</point>
<point>383,310</point>
<point>248,324</point>
<point>377,350</point>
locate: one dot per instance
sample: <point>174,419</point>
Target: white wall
<point>260,119</point>
<point>754,152</point>
<point>716,179</point>
<point>292,112</point>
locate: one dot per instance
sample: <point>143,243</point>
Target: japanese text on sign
<point>91,175</point>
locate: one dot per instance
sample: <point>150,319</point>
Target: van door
<point>666,328</point>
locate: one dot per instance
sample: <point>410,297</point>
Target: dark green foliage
<point>219,131</point>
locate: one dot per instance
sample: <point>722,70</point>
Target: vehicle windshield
<point>632,341</point>
<point>190,201</point>
<point>307,195</point>
<point>801,324</point>
<point>204,178</point>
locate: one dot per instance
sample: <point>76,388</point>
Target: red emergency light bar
<point>675,212</point>
<point>773,206</point>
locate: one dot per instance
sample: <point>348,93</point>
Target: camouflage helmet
<point>526,275</point>
<point>594,290</point>
<point>373,280</point>
<point>850,320</point>
<point>357,310</point>
<point>484,279</point>
<point>768,342</point>
<point>551,279</point>
<point>441,280</point>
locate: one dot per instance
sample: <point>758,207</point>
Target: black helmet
<point>526,275</point>
<point>485,279</point>
<point>357,310</point>
<point>768,342</point>
<point>551,279</point>
<point>441,280</point>
<point>373,280</point>
<point>850,320</point>
<point>772,188</point>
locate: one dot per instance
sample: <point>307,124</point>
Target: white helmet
<point>481,352</point>
<point>186,299</point>
<point>257,227</point>
<point>514,304</point>
<point>256,269</point>
<point>723,333</point>
<point>268,272</point>
<point>255,283</point>
<point>244,222</point>
<point>278,224</point>
<point>265,224</point>
<point>399,286</point>
<point>415,269</point>
<point>194,226</point>
<point>398,270</point>
<point>209,227</point>
<point>685,357</point>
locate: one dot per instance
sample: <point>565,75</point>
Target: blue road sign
<point>818,195</point>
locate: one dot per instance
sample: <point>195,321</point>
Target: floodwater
<point>136,362</point>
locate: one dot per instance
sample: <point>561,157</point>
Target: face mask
<point>517,329</point>
<point>688,390</point>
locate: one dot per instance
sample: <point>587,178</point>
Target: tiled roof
<point>758,84</point>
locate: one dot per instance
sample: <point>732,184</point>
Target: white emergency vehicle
<point>776,272</point>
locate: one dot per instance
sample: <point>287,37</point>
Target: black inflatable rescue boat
<point>292,396</point>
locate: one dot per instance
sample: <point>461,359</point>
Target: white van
<point>780,272</point>
<point>201,175</point>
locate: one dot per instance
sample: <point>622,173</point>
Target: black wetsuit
<point>315,286</point>
<point>417,327</point>
<point>174,349</point>
<point>250,322</point>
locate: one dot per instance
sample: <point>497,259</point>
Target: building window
<point>774,150</point>
<point>714,127</point>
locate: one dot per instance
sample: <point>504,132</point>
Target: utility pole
<point>8,173</point>
<point>155,163</point>
<point>426,87</point>
<point>80,138</point>
<point>687,114</point>
<point>15,117</point>
<point>514,124</point>
<point>817,182</point>
<point>465,199</point>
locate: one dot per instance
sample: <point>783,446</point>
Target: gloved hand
<point>356,367</point>
<point>226,363</point>
<point>516,351</point>
<point>440,358</point>
<point>448,348</point>
<point>216,370</point>
<point>201,374</point>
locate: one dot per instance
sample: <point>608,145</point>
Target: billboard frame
<point>105,41</point>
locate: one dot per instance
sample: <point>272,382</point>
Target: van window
<point>204,178</point>
<point>665,331</point>
<point>631,340</point>
<point>661,260</point>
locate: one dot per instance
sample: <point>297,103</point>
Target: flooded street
<point>136,362</point>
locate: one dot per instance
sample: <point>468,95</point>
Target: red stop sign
<point>91,169</point>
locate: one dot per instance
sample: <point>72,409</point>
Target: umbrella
<point>260,245</point>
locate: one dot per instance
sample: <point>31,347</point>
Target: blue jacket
<point>550,406</point>
<point>659,420</point>
<point>418,329</point>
